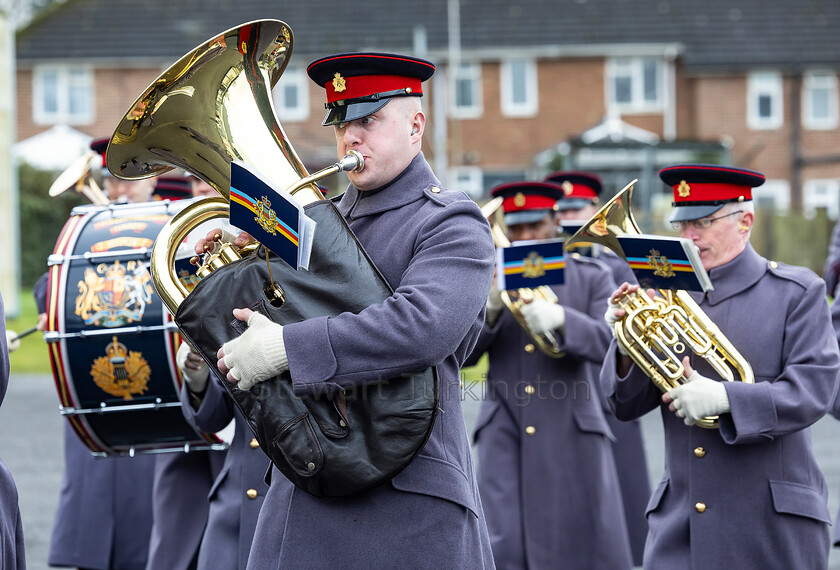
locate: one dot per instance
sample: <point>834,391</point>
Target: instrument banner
<point>662,262</point>
<point>530,264</point>
<point>270,215</point>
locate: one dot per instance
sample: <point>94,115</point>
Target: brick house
<point>753,83</point>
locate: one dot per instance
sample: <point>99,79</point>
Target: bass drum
<point>112,343</point>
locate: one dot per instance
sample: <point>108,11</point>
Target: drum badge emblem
<point>114,295</point>
<point>121,373</point>
<point>661,266</point>
<point>266,217</point>
<point>533,265</point>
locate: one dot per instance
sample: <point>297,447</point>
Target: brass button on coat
<point>700,507</point>
<point>530,430</point>
<point>529,389</point>
<point>699,452</point>
<point>529,348</point>
<point>435,189</point>
<point>254,443</point>
<point>251,493</point>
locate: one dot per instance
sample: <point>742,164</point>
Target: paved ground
<point>31,446</point>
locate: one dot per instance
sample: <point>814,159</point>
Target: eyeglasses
<point>702,223</point>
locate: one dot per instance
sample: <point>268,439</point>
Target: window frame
<point>770,83</point>
<point>470,71</point>
<point>820,79</point>
<point>65,82</point>
<point>292,77</point>
<point>474,188</point>
<point>634,68</point>
<point>530,106</point>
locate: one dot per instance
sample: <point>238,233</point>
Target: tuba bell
<point>515,299</point>
<point>77,177</point>
<point>208,109</point>
<point>656,332</point>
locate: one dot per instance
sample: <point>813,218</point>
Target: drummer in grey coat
<point>433,247</point>
<point>581,200</point>
<point>239,489</point>
<point>12,553</point>
<point>546,472</point>
<point>751,493</point>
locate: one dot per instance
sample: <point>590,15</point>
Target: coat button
<point>251,494</point>
<point>435,189</point>
<point>254,443</point>
<point>310,466</point>
<point>342,423</point>
<point>530,430</point>
<point>699,452</point>
<point>529,389</point>
<point>774,265</point>
<point>529,348</point>
<point>700,507</point>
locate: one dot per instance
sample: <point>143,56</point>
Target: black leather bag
<point>334,444</point>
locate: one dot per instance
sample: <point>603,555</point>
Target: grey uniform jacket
<point>12,555</point>
<point>239,489</point>
<point>547,476</point>
<point>750,494</point>
<point>433,246</point>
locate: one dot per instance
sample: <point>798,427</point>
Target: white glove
<point>611,319</point>
<point>543,316</point>
<point>698,398</point>
<point>257,354</point>
<point>494,304</point>
<point>195,370</point>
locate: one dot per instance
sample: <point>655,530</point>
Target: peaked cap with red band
<point>100,145</point>
<point>700,190</point>
<point>527,202</point>
<point>359,84</point>
<point>580,189</point>
<point>172,188</point>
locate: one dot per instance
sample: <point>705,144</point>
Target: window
<point>519,88</point>
<point>291,96</point>
<point>764,100</point>
<point>634,84</point>
<point>468,179</point>
<point>466,92</point>
<point>63,95</point>
<point>819,100</point>
<point>821,194</point>
<point>772,195</point>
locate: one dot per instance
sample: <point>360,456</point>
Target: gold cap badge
<point>684,190</point>
<point>339,83</point>
<point>567,188</point>
<point>519,200</point>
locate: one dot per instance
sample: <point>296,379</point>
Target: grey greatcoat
<point>835,407</point>
<point>181,485</point>
<point>433,246</point>
<point>547,476</point>
<point>12,555</point>
<point>750,494</point>
<point>239,489</point>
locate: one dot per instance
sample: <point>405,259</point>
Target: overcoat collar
<point>736,276</point>
<point>407,187</point>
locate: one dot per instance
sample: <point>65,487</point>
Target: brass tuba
<point>78,177</point>
<point>514,299</point>
<point>656,332</point>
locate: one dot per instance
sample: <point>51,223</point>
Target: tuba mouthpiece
<point>353,161</point>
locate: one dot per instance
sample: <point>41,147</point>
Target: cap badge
<point>684,190</point>
<point>567,188</point>
<point>339,84</point>
<point>519,200</point>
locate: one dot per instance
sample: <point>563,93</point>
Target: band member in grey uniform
<point>434,248</point>
<point>581,200</point>
<point>12,553</point>
<point>751,493</point>
<point>546,472</point>
<point>104,515</point>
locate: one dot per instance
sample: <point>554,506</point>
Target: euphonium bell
<point>514,299</point>
<point>656,332</point>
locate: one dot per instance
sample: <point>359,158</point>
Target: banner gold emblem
<point>661,266</point>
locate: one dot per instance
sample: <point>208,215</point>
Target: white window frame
<point>67,77</point>
<point>468,179</point>
<point>820,80</point>
<point>467,71</point>
<point>633,67</point>
<point>528,107</point>
<point>769,84</point>
<point>821,193</point>
<point>775,190</point>
<point>293,78</point>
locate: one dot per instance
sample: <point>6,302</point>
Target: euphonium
<point>656,332</point>
<point>514,299</point>
<point>78,177</point>
<point>212,107</point>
